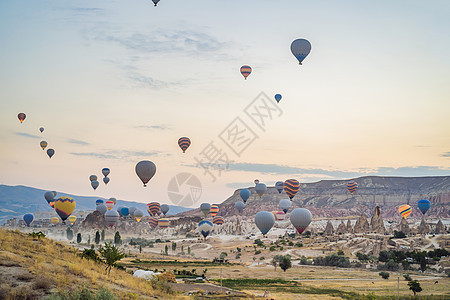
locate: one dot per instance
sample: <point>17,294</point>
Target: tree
<point>79,238</point>
<point>102,238</point>
<point>340,252</point>
<point>391,265</point>
<point>223,255</point>
<point>276,261</point>
<point>384,256</point>
<point>415,287</point>
<point>89,239</point>
<point>90,254</point>
<point>399,234</point>
<point>117,238</point>
<point>384,275</point>
<point>182,249</point>
<point>140,249</point>
<point>407,277</point>
<point>110,254</point>
<point>166,250</point>
<point>189,250</point>
<point>69,234</point>
<point>285,263</point>
<point>97,237</point>
<point>174,246</point>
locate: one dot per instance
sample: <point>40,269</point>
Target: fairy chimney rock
<point>440,228</point>
<point>361,226</point>
<point>329,230</point>
<point>341,228</point>
<point>349,227</point>
<point>376,222</point>
<point>404,227</point>
<point>423,228</point>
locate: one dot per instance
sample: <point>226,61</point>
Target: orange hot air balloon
<point>405,210</point>
<point>245,71</point>
<point>21,117</point>
<point>214,210</point>
<point>184,143</point>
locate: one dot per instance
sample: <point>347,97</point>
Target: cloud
<point>119,154</point>
<point>146,81</point>
<point>78,142</point>
<point>158,127</point>
<point>412,171</point>
<point>28,135</point>
<point>446,154</point>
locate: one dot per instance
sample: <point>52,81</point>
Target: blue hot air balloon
<point>125,211</point>
<point>28,218</point>
<point>424,205</point>
<point>278,98</point>
<point>98,202</point>
<point>205,227</point>
<point>245,194</point>
<point>300,48</point>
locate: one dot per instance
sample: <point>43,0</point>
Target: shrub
<point>299,244</point>
<point>340,252</point>
<point>384,275</point>
<point>285,263</point>
<point>407,277</point>
<point>272,248</point>
<point>414,286</point>
<point>257,252</point>
<point>362,257</point>
<point>259,243</point>
<point>90,254</point>
<point>399,234</point>
<point>79,238</point>
<point>42,283</point>
<point>333,260</point>
<point>166,277</point>
<point>110,254</point>
<point>291,243</point>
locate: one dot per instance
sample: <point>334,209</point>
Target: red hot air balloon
<point>184,143</point>
<point>245,71</point>
<point>214,210</point>
<point>21,117</point>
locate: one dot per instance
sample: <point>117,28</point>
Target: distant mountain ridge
<point>15,201</point>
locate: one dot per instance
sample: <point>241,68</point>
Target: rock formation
<point>440,228</point>
<point>423,228</point>
<point>349,227</point>
<point>329,230</point>
<point>404,227</point>
<point>376,222</point>
<point>341,228</point>
<point>94,220</point>
<point>361,226</point>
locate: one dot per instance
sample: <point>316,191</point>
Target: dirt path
<point>211,288</point>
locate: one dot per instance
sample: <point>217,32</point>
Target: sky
<point>116,82</point>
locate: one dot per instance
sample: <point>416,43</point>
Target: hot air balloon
<point>279,186</point>
<point>300,48</point>
<point>111,217</point>
<point>214,210</point>
<point>28,218</point>
<point>264,221</point>
<point>145,170</point>
<point>99,201</point>
<point>43,144</point>
<point>278,98</point>
<point>106,180</point>
<point>245,194</point>
<point>164,208</point>
<point>94,184</point>
<point>124,212</point>
<point>50,197</point>
<point>285,204</point>
<point>50,153</point>
<point>300,219</point>
<point>93,178</point>
<point>245,71</point>
<point>153,222</point>
<point>132,210</point>
<point>113,200</point>
<point>280,216</point>
<point>55,220</point>
<point>291,187</point>
<point>54,193</point>
<point>163,223</point>
<point>239,206</point>
<point>21,117</point>
<point>64,207</point>
<point>155,2</point>
<point>72,219</point>
<point>218,220</point>
<point>352,186</point>
<point>424,205</point>
<point>260,189</point>
<point>109,204</point>
<point>205,208</point>
<point>41,129</point>
<point>256,181</point>
<point>106,171</point>
<point>138,214</point>
<point>101,208</point>
<point>404,210</point>
<point>205,227</point>
<point>153,208</point>
<point>184,143</point>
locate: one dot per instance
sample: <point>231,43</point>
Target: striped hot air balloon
<point>214,210</point>
<point>153,208</point>
<point>291,187</point>
<point>55,220</point>
<point>280,216</point>
<point>72,219</point>
<point>109,204</point>
<point>64,207</point>
<point>404,210</point>
<point>218,220</point>
<point>352,186</point>
<point>153,222</point>
<point>184,143</point>
<point>163,223</point>
<point>245,71</point>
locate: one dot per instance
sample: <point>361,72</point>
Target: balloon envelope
<point>94,184</point>
<point>205,208</point>
<point>352,186</point>
<point>125,211</point>
<point>184,143</point>
<point>205,227</point>
<point>214,210</point>
<point>280,216</point>
<point>138,214</point>
<point>106,180</point>
<point>145,170</point>
<point>21,117</point>
<point>165,208</point>
<point>424,205</point>
<point>153,208</point>
<point>28,218</point>
<point>109,204</point>
<point>50,152</point>
<point>300,219</point>
<point>153,222</point>
<point>245,71</point>
<point>239,206</point>
<point>291,187</point>
<point>55,220</point>
<point>264,221</point>
<point>101,208</point>
<point>106,171</point>
<point>260,189</point>
<point>72,219</point>
<point>279,186</point>
<point>49,196</point>
<point>163,223</point>
<point>113,200</point>
<point>41,129</point>
<point>300,48</point>
<point>218,220</point>
<point>404,210</point>
<point>99,201</point>
<point>278,98</point>
<point>93,177</point>
<point>245,194</point>
<point>111,217</point>
<point>43,144</point>
<point>155,2</point>
<point>285,204</point>
<point>64,207</point>
<point>256,181</point>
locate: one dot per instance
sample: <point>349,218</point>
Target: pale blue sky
<point>115,82</point>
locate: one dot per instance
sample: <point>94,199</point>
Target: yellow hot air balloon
<point>72,219</point>
<point>55,220</point>
<point>64,207</point>
<point>404,210</point>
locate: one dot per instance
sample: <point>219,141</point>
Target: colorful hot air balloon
<point>99,201</point>
<point>41,129</point>
<point>279,186</point>
<point>109,204</point>
<point>424,205</point>
<point>50,197</point>
<point>205,227</point>
<point>264,221</point>
<point>352,186</point>
<point>28,218</point>
<point>245,194</point>
<point>94,184</point>
<point>164,208</point>
<point>153,222</point>
<point>245,71</point>
<point>145,170</point>
<point>111,217</point>
<point>285,204</point>
<point>218,220</point>
<point>278,98</point>
<point>260,189</point>
<point>404,210</point>
<point>138,214</point>
<point>184,143</point>
<point>106,180</point>
<point>93,177</point>
<point>124,212</point>
<point>163,223</point>
<point>72,219</point>
<point>64,207</point>
<point>205,208</point>
<point>106,171</point>
<point>21,117</point>
<point>300,48</point>
<point>300,219</point>
<point>280,216</point>
<point>153,208</point>
<point>43,144</point>
<point>291,187</point>
<point>155,2</point>
<point>239,206</point>
<point>50,153</point>
<point>55,220</point>
<point>214,210</point>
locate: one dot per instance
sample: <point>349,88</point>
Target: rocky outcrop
<point>361,226</point>
<point>404,227</point>
<point>376,222</point>
<point>94,220</point>
<point>329,230</point>
<point>349,227</point>
<point>341,228</point>
<point>440,228</point>
<point>423,228</point>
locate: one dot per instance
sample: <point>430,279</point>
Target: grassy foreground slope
<point>34,268</point>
